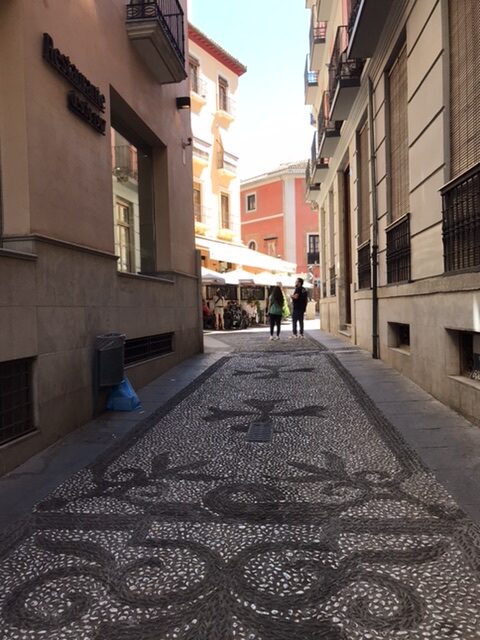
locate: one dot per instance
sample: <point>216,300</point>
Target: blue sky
<point>270,37</point>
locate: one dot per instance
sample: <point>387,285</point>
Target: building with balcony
<point>394,174</point>
<point>96,230</point>
<point>277,221</point>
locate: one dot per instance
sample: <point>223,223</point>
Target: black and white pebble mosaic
<point>187,531</point>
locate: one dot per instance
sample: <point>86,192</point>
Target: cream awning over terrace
<point>238,254</point>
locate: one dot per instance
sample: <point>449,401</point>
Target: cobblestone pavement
<point>190,529</point>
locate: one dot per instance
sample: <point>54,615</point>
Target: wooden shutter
<point>363,187</point>
<point>398,135</point>
<point>464,20</point>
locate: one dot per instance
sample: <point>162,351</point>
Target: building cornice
<point>215,50</point>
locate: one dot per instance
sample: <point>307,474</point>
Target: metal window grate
<point>16,410</point>
<point>461,222</point>
<point>398,251</point>
<point>138,349</point>
<point>333,281</point>
<point>364,267</point>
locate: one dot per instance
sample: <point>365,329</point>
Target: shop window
<point>16,406</point>
<point>399,336</point>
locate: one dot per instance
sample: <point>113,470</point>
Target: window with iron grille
<point>16,409</point>
<point>194,67</point>
<point>398,251</point>
<point>398,137</point>
<point>146,347</point>
<point>364,267</point>
<point>461,222</point>
<point>197,202</point>
<point>222,94</point>
<point>333,281</point>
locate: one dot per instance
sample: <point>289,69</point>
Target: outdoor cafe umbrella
<point>211,277</point>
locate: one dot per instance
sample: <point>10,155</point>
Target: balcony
<point>311,188</point>
<point>125,163</point>
<point>156,30</point>
<point>365,25</point>
<point>311,83</point>
<point>318,165</point>
<point>328,129</point>
<point>324,9</point>
<point>313,257</point>
<point>461,222</point>
<point>344,77</point>
<point>318,35</point>
<point>226,165</point>
<point>198,92</point>
<point>225,109</point>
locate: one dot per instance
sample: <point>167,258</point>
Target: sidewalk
<point>446,442</point>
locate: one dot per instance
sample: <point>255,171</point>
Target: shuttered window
<point>464,20</point>
<point>398,137</point>
<point>363,187</point>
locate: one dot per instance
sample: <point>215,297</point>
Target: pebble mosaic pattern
<point>188,531</point>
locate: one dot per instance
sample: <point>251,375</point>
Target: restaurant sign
<point>91,101</point>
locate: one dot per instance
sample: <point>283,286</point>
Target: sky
<point>270,37</point>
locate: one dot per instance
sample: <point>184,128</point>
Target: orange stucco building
<point>276,219</point>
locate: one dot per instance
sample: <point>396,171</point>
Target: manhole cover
<point>260,432</point>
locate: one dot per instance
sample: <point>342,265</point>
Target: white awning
<point>239,276</point>
<point>212,277</point>
<point>238,254</point>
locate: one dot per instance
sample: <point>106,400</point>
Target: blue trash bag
<point>122,397</point>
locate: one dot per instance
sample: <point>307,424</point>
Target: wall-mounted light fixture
<point>183,102</point>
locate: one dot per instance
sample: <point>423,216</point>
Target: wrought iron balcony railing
<point>311,77</point>
<point>342,69</point>
<point>169,15</point>
<point>354,9</point>
<point>398,250</point>
<point>309,184</point>
<point>461,222</point>
<point>364,267</point>
<point>327,127</point>
<point>318,33</point>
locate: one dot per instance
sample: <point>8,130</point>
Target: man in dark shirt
<point>299,299</point>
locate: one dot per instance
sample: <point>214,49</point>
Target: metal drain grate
<point>260,432</point>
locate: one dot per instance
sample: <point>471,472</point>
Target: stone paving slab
<point>185,530</point>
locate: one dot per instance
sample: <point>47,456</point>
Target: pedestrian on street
<point>218,306</point>
<point>274,310</point>
<point>299,300</point>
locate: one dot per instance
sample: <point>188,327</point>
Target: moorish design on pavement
<point>188,531</point>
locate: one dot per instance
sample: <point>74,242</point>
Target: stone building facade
<point>97,232</point>
<point>394,171</point>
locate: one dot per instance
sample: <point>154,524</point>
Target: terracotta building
<point>97,232</point>
<point>277,221</point>
<point>395,176</point>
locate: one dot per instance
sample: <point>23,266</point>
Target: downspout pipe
<point>374,254</point>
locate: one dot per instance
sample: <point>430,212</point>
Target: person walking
<point>299,300</point>
<point>275,307</point>
<point>218,307</point>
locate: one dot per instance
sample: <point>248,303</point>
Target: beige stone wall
<point>58,276</point>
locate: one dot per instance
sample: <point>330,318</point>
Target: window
<point>398,251</point>
<point>363,220</point>
<point>16,410</point>
<point>194,68</point>
<point>364,274</point>
<point>252,245</point>
<point>225,210</point>
<point>223,94</point>
<point>251,202</point>
<point>133,214</point>
<point>271,246</point>
<point>124,243</point>
<point>197,202</point>
<point>398,137</point>
<point>399,336</point>
<point>313,253</point>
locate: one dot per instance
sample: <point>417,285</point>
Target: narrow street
<point>270,499</point>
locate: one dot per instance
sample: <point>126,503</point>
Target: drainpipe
<point>374,256</point>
